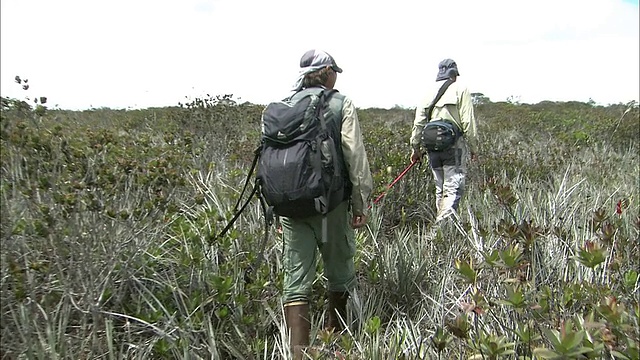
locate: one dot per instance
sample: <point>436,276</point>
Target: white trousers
<point>449,170</point>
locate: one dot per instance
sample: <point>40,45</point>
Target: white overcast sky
<point>143,53</point>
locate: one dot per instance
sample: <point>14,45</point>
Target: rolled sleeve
<point>355,157</point>
<point>418,124</point>
<point>467,117</point>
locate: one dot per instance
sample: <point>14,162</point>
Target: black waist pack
<point>439,135</point>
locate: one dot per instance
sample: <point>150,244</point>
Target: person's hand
<point>416,156</point>
<point>358,221</point>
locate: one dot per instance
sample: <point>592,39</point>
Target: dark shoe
<point>337,305</point>
<point>297,319</point>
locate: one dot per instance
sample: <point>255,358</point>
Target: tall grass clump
<point>110,247</point>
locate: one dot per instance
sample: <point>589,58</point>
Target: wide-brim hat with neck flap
<point>314,60</point>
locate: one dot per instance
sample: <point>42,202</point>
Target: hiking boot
<point>337,305</point>
<point>297,318</point>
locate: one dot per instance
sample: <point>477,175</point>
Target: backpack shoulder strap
<point>441,92</point>
<point>323,98</point>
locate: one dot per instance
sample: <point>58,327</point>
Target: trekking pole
<point>402,174</point>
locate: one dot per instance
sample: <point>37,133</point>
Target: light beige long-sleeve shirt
<point>355,158</point>
<point>455,105</point>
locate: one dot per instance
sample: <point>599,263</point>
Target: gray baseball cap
<point>318,59</point>
<point>446,68</point>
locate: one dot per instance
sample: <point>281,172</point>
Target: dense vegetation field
<point>109,223</point>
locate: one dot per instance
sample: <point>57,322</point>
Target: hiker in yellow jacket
<point>303,236</point>
<point>449,167</point>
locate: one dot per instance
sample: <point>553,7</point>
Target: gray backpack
<point>299,171</point>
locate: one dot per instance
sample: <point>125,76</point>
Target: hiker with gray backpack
<point>314,174</point>
<point>445,130</point>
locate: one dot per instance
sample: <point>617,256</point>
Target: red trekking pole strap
<point>402,174</point>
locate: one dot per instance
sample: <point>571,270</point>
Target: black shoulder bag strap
<point>267,212</point>
<point>255,191</point>
<point>441,92</point>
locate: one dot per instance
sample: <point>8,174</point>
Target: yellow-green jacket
<point>455,105</point>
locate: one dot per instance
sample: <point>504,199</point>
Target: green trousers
<point>301,239</point>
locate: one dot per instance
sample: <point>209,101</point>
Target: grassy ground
<point>109,247</point>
